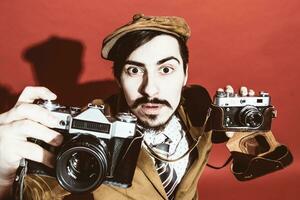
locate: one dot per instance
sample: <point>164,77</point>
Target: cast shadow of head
<point>7,98</point>
<point>57,64</point>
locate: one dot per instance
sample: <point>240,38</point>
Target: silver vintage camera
<point>255,152</point>
<point>231,112</point>
<point>96,148</point>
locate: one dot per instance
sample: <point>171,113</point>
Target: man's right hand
<point>25,120</point>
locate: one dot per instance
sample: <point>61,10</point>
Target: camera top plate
<point>225,99</point>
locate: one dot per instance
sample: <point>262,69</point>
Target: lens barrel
<point>250,116</point>
<point>82,163</point>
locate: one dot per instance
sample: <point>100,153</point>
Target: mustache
<point>144,100</point>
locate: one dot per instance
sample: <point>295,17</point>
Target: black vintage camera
<point>254,150</point>
<point>96,149</point>
<point>231,112</point>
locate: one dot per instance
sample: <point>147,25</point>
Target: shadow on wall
<point>57,64</point>
<point>7,99</point>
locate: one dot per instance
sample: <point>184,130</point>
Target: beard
<point>148,126</point>
<point>148,120</point>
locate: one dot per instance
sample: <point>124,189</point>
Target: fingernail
<point>229,134</point>
<point>52,96</point>
<point>58,139</point>
<point>243,91</point>
<point>229,89</point>
<point>251,92</point>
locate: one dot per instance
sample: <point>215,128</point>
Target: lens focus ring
<point>82,164</point>
<point>250,116</point>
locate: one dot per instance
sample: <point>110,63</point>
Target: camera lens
<point>251,117</point>
<point>82,164</point>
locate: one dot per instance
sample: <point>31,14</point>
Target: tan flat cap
<point>168,24</point>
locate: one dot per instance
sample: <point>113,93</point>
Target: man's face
<point>152,80</point>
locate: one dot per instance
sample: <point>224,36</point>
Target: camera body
<point>254,149</point>
<point>231,112</point>
<point>96,148</point>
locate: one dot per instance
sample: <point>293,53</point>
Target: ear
<point>186,75</point>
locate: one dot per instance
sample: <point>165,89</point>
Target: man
<point>151,67</point>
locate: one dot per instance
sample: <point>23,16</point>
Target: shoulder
<point>196,102</point>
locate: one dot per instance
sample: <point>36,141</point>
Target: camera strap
<point>222,166</point>
<point>18,184</point>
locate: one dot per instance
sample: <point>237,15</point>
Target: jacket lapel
<point>202,148</point>
<point>146,164</point>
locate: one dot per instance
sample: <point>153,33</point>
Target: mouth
<point>151,108</point>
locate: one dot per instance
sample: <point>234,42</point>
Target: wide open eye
<point>134,71</point>
<point>166,70</point>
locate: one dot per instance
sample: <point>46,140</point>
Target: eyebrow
<point>166,59</point>
<point>132,62</point>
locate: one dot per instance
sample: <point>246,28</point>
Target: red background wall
<point>239,42</point>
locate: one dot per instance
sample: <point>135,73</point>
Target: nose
<point>149,86</point>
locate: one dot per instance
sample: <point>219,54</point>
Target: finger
<point>229,89</point>
<point>229,134</point>
<point>36,153</point>
<point>220,90</point>
<point>32,112</point>
<point>30,94</point>
<point>251,93</point>
<point>243,91</point>
<point>26,128</point>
